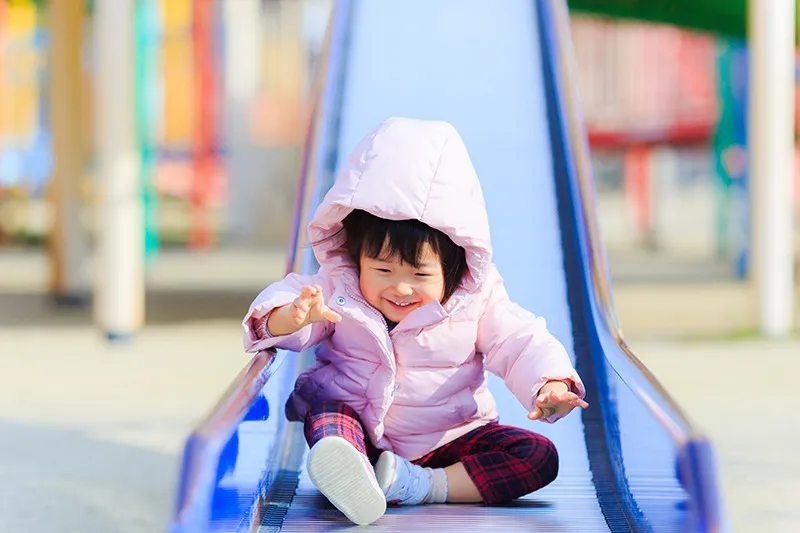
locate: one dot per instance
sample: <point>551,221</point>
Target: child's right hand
<point>310,307</point>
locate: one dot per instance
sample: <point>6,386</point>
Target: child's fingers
<point>555,397</point>
<point>331,315</point>
<point>542,400</point>
<point>302,305</point>
<point>307,292</point>
<point>540,413</point>
<point>574,399</point>
<point>552,402</point>
<point>300,308</point>
<point>547,398</point>
<point>309,296</point>
<point>312,294</point>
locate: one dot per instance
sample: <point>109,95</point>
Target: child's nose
<point>403,289</point>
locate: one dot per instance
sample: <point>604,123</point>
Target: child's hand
<point>310,307</point>
<point>555,398</point>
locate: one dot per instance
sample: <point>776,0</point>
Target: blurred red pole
<point>3,236</point>
<point>637,188</point>
<point>200,231</point>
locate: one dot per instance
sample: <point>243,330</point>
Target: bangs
<point>403,240</point>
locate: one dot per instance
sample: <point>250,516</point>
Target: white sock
<point>405,483</point>
<point>438,491</point>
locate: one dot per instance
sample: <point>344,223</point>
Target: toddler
<point>406,314</point>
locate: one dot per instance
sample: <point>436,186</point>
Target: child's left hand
<point>555,398</point>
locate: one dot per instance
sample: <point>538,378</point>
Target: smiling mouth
<point>401,305</point>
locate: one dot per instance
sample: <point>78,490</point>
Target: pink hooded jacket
<point>424,383</point>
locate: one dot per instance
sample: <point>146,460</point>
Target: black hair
<point>404,239</point>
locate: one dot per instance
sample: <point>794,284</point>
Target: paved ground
<point>745,395</point>
<point>90,434</point>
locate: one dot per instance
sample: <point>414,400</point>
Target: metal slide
<point>502,73</point>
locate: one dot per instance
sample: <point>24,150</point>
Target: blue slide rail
<point>639,427</point>
<point>651,468</point>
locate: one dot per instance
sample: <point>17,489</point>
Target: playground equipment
<point>633,462</point>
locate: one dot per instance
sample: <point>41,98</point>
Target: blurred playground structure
<point>220,118</point>
<point>194,107</point>
<point>213,108</point>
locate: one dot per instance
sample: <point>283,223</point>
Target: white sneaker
<point>403,482</point>
<point>345,477</point>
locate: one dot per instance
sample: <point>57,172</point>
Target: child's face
<point>396,288</point>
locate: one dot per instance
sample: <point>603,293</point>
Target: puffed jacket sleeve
<point>256,334</point>
<point>518,348</point>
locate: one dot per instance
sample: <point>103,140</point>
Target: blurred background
<point>219,110</point>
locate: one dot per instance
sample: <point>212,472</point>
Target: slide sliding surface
<point>501,73</point>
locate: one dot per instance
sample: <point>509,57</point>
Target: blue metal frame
<point>601,423</point>
<point>604,349</point>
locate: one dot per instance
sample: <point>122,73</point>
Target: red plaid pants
<point>504,462</point>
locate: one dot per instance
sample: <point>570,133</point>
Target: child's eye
<point>384,270</point>
<point>423,275</point>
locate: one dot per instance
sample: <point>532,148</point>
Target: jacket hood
<point>409,169</point>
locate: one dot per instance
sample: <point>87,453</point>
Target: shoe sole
<point>339,472</point>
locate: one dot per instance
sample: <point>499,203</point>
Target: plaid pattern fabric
<point>504,462</point>
<point>337,419</point>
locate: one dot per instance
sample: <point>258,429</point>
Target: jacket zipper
<point>390,353</point>
<point>380,315</point>
<point>386,326</point>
